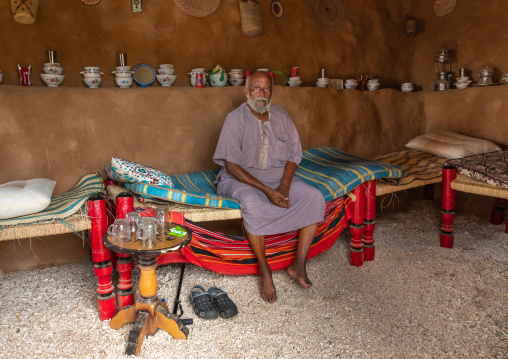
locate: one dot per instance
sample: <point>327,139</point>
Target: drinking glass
<point>120,230</point>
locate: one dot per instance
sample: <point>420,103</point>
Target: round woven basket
<point>251,19</point>
<point>198,8</point>
<point>24,12</point>
<point>329,12</point>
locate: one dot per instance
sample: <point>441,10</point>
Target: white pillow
<point>451,145</point>
<point>19,198</point>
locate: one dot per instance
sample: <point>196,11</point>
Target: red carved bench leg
<point>101,257</point>
<point>448,207</point>
<point>356,250</point>
<point>125,262</point>
<point>369,224</point>
<point>498,211</point>
<point>428,192</point>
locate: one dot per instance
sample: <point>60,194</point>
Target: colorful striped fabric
<point>233,255</point>
<point>63,205</point>
<point>332,171</point>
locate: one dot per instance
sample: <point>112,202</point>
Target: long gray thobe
<point>262,148</point>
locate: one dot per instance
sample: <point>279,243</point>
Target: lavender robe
<point>262,149</point>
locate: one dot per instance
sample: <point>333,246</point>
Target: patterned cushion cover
<point>451,145</point>
<point>332,171</point>
<point>491,168</point>
<point>126,171</point>
<point>19,198</point>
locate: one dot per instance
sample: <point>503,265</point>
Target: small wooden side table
<point>149,313</point>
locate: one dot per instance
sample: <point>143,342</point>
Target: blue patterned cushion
<point>126,171</point>
<point>332,171</point>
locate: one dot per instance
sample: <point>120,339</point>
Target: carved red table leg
<point>369,224</point>
<point>356,250</point>
<point>125,263</point>
<point>448,207</point>
<point>101,257</point>
<point>498,212</point>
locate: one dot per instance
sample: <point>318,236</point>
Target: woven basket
<point>250,18</point>
<point>24,11</point>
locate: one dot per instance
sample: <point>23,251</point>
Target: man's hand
<point>279,197</point>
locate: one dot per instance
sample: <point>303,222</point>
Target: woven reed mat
<point>467,184</point>
<point>192,213</point>
<point>76,224</point>
<point>65,214</point>
<point>420,169</point>
<point>329,12</point>
<point>199,8</point>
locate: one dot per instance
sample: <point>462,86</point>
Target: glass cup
<point>120,230</point>
<point>162,219</point>
<point>146,232</point>
<point>134,219</point>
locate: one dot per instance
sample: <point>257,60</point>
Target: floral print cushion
<point>131,172</point>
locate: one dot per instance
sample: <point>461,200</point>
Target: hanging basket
<point>24,11</point>
<point>250,18</point>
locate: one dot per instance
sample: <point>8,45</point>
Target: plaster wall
<point>475,32</point>
<point>368,41</point>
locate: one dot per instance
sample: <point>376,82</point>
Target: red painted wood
<point>369,224</point>
<point>101,256</point>
<point>125,263</point>
<point>499,211</point>
<point>448,207</point>
<point>356,227</point>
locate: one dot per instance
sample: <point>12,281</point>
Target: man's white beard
<point>259,109</point>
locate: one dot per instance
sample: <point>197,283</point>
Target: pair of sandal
<point>209,304</point>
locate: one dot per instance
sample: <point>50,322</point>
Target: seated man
<point>259,149</point>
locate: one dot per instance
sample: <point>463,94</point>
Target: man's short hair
<point>247,80</point>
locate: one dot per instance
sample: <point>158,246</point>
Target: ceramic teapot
<point>218,77</point>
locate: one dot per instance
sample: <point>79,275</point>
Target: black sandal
<point>227,308</point>
<point>202,303</point>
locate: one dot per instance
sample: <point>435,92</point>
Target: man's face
<point>259,93</point>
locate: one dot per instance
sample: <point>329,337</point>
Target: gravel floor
<point>416,300</point>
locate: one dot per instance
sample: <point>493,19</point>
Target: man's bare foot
<point>268,291</point>
<point>299,275</point>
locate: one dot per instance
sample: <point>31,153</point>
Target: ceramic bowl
<point>92,82</point>
<point>168,66</point>
<point>236,71</point>
<point>264,70</point>
<point>322,84</point>
<point>462,85</point>
<point>407,89</point>
<point>235,76</point>
<point>350,81</point>
<point>54,70</point>
<point>123,74</point>
<point>166,80</point>
<point>51,64</point>
<point>462,79</point>
<point>52,80</point>
<point>92,69</point>
<point>123,68</point>
<point>295,83</point>
<point>407,84</point>
<point>294,79</point>
<point>166,71</point>
<point>123,82</point>
<point>91,74</point>
<point>350,85</point>
<point>505,79</point>
<point>373,81</point>
<point>200,70</point>
<point>372,86</point>
<point>236,82</point>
